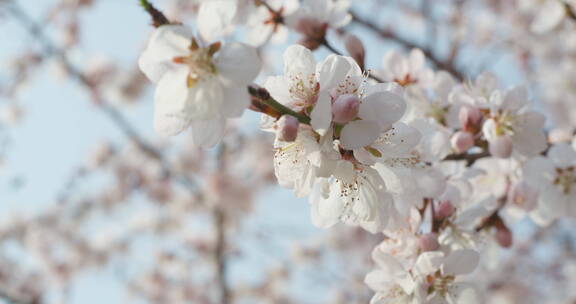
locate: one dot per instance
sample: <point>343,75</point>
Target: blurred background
<point>95,208</point>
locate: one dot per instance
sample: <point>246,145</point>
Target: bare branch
<point>387,34</point>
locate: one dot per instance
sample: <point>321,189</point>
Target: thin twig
<point>263,102</point>
<point>469,158</point>
<point>387,34</point>
<point>220,259</point>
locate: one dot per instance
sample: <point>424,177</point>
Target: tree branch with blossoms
<point>418,160</point>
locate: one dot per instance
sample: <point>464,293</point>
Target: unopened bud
<point>470,117</point>
<point>345,108</point>
<point>501,146</point>
<point>523,196</point>
<point>504,237</point>
<point>287,128</point>
<point>444,210</point>
<point>428,242</point>
<point>462,141</point>
<point>313,32</point>
<point>355,48</point>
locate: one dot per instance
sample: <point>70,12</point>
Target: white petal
<point>549,16</point>
<point>235,101</point>
<point>428,262</point>
<point>167,124</point>
<point>539,172</point>
<point>392,87</point>
<point>170,103</point>
<point>167,42</point>
<point>321,116</point>
<point>398,141</point>
<point>489,129</point>
<point>393,64</point>
<point>443,84</point>
<point>215,18</point>
<point>298,60</point>
<point>461,261</point>
<point>259,33</point>
<point>562,155</point>
<point>363,156</point>
<point>207,133</point>
<point>392,270</point>
<point>530,141</point>
<point>461,293</point>
<point>325,210</point>
<point>278,88</point>
<point>359,133</point>
<point>431,182</point>
<point>237,64</point>
<point>385,108</point>
<point>417,60</point>
<point>332,71</point>
<point>515,99</point>
<point>205,100</point>
<point>378,280</point>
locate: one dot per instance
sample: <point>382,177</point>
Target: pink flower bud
<point>523,196</point>
<point>504,237</point>
<point>287,128</point>
<point>470,117</point>
<point>444,210</point>
<point>428,242</point>
<point>313,32</point>
<point>501,146</point>
<point>462,141</point>
<point>345,108</point>
<point>355,48</point>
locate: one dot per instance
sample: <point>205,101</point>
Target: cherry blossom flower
<point>217,18</point>
<point>355,195</point>
<point>315,17</point>
<point>441,272</point>
<point>511,125</point>
<point>392,281</point>
<point>297,164</point>
<point>270,21</point>
<point>406,71</point>
<point>548,14</point>
<point>197,86</point>
<point>554,177</point>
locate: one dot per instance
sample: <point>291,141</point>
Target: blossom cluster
<point>429,159</point>
<point>436,165</point>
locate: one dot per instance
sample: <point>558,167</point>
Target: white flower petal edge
<point>198,86</point>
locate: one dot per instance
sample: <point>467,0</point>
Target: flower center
<point>276,18</point>
<point>504,123</point>
<point>439,283</point>
<point>438,113</point>
<point>565,179</point>
<point>406,80</point>
<point>304,89</point>
<point>199,62</point>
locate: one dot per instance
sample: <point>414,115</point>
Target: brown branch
<point>220,259</point>
<point>13,299</point>
<point>158,18</point>
<point>469,158</point>
<point>390,35</point>
<point>569,11</point>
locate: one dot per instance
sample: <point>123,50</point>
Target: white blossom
<point>197,86</point>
